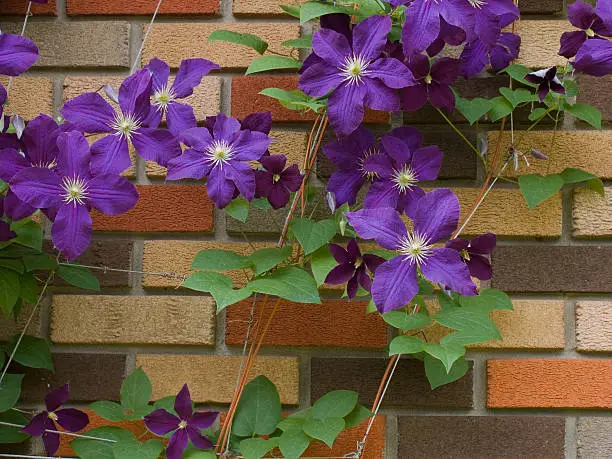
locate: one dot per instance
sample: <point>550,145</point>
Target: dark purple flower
<point>69,419</point>
<point>395,282</point>
<point>476,55</point>
<point>3,95</point>
<point>5,229</point>
<point>186,426</point>
<point>353,268</point>
<point>71,190</point>
<point>179,117</point>
<point>355,72</point>
<point>474,254</point>
<point>89,112</point>
<point>594,58</point>
<point>17,54</point>
<point>547,81</point>
<point>433,83</point>
<point>222,157</point>
<point>337,22</point>
<point>449,34</point>
<point>585,17</point>
<point>275,182</point>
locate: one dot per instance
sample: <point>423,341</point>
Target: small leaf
<point>436,371</point>
<point>447,354</point>
<point>86,448</point>
<point>219,286</point>
<point>500,107</point>
<point>133,449</point>
<point>259,409</point>
<point>293,443</point>
<point>256,448</point>
<point>9,290</point>
<point>473,109</point>
<point>264,260</point>
<point>291,283</point>
<point>245,39</point>
<point>477,324</point>
<point>292,10</point>
<point>537,114</point>
<point>304,42</point>
<point>219,260</point>
<point>267,63</point>
<point>33,352</point>
<point>29,234</point>
<point>586,113</point>
<point>313,10</point>
<point>28,289</point>
<point>321,263</point>
<point>312,235</point>
<point>261,203</point>
<point>110,411</point>
<point>238,209</point>
<point>10,389</point>
<point>39,261</point>
<point>12,264</point>
<point>12,434</point>
<point>335,404</point>
<point>406,345</point>
<point>518,72</point>
<point>359,414</point>
<point>487,300</point>
<point>293,100</point>
<point>136,391</point>
<point>538,188</point>
<point>518,96</point>
<point>78,276</point>
<point>406,321</point>
<point>326,430</point>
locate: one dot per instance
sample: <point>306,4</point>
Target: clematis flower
<point>17,54</point>
<point>432,83</point>
<point>395,282</point>
<point>353,268</point>
<point>275,182</point>
<point>90,113</point>
<point>72,190</point>
<point>592,25</point>
<point>180,117</point>
<point>547,81</point>
<point>186,426</point>
<point>69,419</point>
<point>337,22</point>
<point>3,96</point>
<point>594,58</point>
<point>474,254</point>
<point>5,229</point>
<point>449,34</point>
<point>476,55</point>
<point>222,157</point>
<point>355,73</point>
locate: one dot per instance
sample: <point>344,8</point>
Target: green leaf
<point>447,354</point>
<point>9,290</point>
<point>28,288</point>
<point>326,430</point>
<point>261,203</point>
<point>406,321</point>
<point>518,96</point>
<point>293,284</point>
<point>586,113</point>
<point>39,261</point>
<point>321,263</point>
<point>78,276</point>
<point>108,410</point>
<point>571,175</point>
<point>10,389</point>
<point>537,114</point>
<point>406,345</point>
<point>359,414</point>
<point>293,443</point>
<point>97,449</point>
<point>571,88</point>
<point>259,409</point>
<point>198,454</point>
<point>133,449</point>
<point>518,72</point>
<point>312,10</point>
<point>305,41</point>
<point>219,286</point>
<point>238,209</point>
<point>256,448</point>
<point>436,371</point>
<point>500,107</point>
<point>335,404</point>
<point>293,100</point>
<point>16,251</point>
<point>12,264</point>
<point>295,420</point>
<point>267,63</point>
<point>264,260</point>
<point>166,403</point>
<point>538,188</point>
<point>219,260</point>
<point>29,234</point>
<point>477,324</point>
<point>292,10</point>
<point>487,300</point>
<point>245,39</point>
<point>473,109</point>
<point>312,235</point>
<point>33,352</point>
<point>12,434</point>
<point>136,391</point>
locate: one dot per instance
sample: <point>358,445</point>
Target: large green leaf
<point>586,113</point>
<point>477,324</point>
<point>518,72</point>
<point>219,286</point>
<point>256,448</point>
<point>9,289</point>
<point>259,409</point>
<point>335,404</point>
<point>28,288</point>
<point>538,188</point>
<point>12,434</point>
<point>10,389</point>
<point>108,410</point>
<point>436,371</point>
<point>98,449</point>
<point>313,10</point>
<point>136,391</point>
<point>133,449</point>
<point>293,284</point>
<point>473,109</point>
<point>487,300</point>
<point>292,443</point>
<point>292,10</point>
<point>305,41</point>
<point>293,100</point>
<point>406,345</point>
<point>359,414</point>
<point>312,235</point>
<point>39,261</point>
<point>12,264</point>
<point>326,430</point>
<point>406,321</point>
<point>29,234</point>
<point>219,260</point>
<point>78,276</point>
<point>447,354</point>
<point>518,96</point>
<point>265,259</point>
<point>572,175</point>
<point>245,39</point>
<point>500,107</point>
<point>33,352</point>
<point>267,63</point>
<point>321,263</point>
<point>238,209</point>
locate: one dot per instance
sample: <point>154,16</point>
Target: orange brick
<point>202,7</point>
<point>21,6</point>
<point>347,442</point>
<point>549,383</point>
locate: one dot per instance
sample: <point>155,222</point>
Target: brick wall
<point>543,392</point>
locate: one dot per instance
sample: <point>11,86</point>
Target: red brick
<point>164,208</point>
<point>203,7</point>
<point>21,6</point>
<point>347,442</point>
<point>334,323</point>
<point>549,383</point>
<point>246,99</point>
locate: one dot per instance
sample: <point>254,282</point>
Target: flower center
<point>465,254</point>
<point>589,32</point>
<point>182,424</point>
<point>163,97</point>
<point>75,190</point>
<point>276,178</point>
<point>368,175</point>
<point>477,3</point>
<point>125,125</point>
<point>52,416</point>
<point>354,68</point>
<point>219,152</point>
<point>428,79</point>
<point>358,263</point>
<point>404,179</point>
<point>46,165</point>
<point>415,248</point>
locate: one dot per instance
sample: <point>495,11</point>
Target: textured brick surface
<point>334,323</point>
<point>594,439</point>
<point>409,387</point>
<point>481,437</point>
<point>213,378</point>
<point>175,41</point>
<point>568,151</point>
<point>594,326</point>
<point>79,46</point>
<point>268,8</point>
<point>596,91</point>
<point>29,96</point>
<point>91,377</point>
<point>540,6</point>
<point>118,319</point>
<point>20,8</point>
<point>347,441</point>
<point>203,7</point>
<point>10,327</point>
<point>163,208</point>
<point>592,214</point>
<point>549,383</point>
<point>539,268</point>
<point>541,42</point>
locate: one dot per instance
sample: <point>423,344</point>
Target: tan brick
<point>587,150</point>
<point>260,7</point>
<point>592,213</point>
<point>212,379</point>
<point>10,327</point>
<point>594,440</point>
<point>173,42</point>
<point>534,324</point>
<point>29,96</point>
<point>176,257</point>
<point>117,319</point>
<point>594,326</point>
<point>540,42</point>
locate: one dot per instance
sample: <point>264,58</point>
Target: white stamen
<point>367,174</point>
<point>75,190</point>
<point>354,68</point>
<point>163,97</point>
<point>219,152</point>
<point>404,178</point>
<point>46,164</point>
<point>477,3</point>
<point>415,248</point>
<point>125,125</point>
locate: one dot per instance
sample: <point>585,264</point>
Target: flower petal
<point>395,284</point>
<point>160,422</point>
<point>382,193</point>
<point>41,188</point>
<point>243,176</point>
<point>473,58</point>
<point>319,79</point>
<point>381,224</point>
<point>426,162</point>
<point>160,72</point>
<point>40,140</point>
<point>380,97</point>
<point>413,98</point>
<point>182,403</point>
<point>441,96</point>
<point>594,58</point>
<point>352,287</point>
<point>57,397</point>
<point>199,441</point>
<point>446,267</point>
<point>480,267</point>
<point>345,152</point>
<point>15,208</point>
<point>370,36</point>
<point>409,200</point>
<point>571,42</point>
<point>51,440</point>
<point>331,46</point>
<point>17,54</point>
<point>397,149</point>
<point>340,254</point>
<point>581,15</point>
<point>340,274</point>
<point>274,163</point>
<point>74,156</point>
<point>372,261</point>
<point>134,94</point>
<point>278,196</point>
<point>411,136</point>
<point>11,162</point>
<point>445,70</point>
<point>291,178</point>
<point>191,164</point>
<point>437,214</point>
<point>260,121</point>
<point>483,244</point>
<point>421,27</point>
<point>156,145</point>
<point>225,127</point>
<point>198,138</point>
<point>203,419</point>
<point>391,72</point>
<point>110,155</point>
<point>345,185</point>
<point>72,419</point>
<point>346,108</point>
<point>177,444</point>
<point>111,194</point>
<point>190,75</point>
<point>36,426</point>
<point>250,145</point>
<point>220,190</point>
<point>89,112</point>
<point>71,230</point>
<point>180,117</point>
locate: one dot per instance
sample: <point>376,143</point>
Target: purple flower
<point>433,83</point>
<point>275,182</point>
<point>474,254</point>
<point>547,81</point>
<point>70,189</point>
<point>180,117</point>
<point>355,72</point>
<point>594,58</point>
<point>585,17</point>
<point>353,267</point>
<point>3,95</point>
<point>69,419</point>
<point>449,34</point>
<point>89,112</point>
<point>186,426</point>
<point>5,229</point>
<point>397,184</point>
<point>222,157</point>
<point>477,54</point>
<point>17,54</point>
<point>395,282</point>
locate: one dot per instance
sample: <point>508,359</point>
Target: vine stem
<point>462,135</point>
